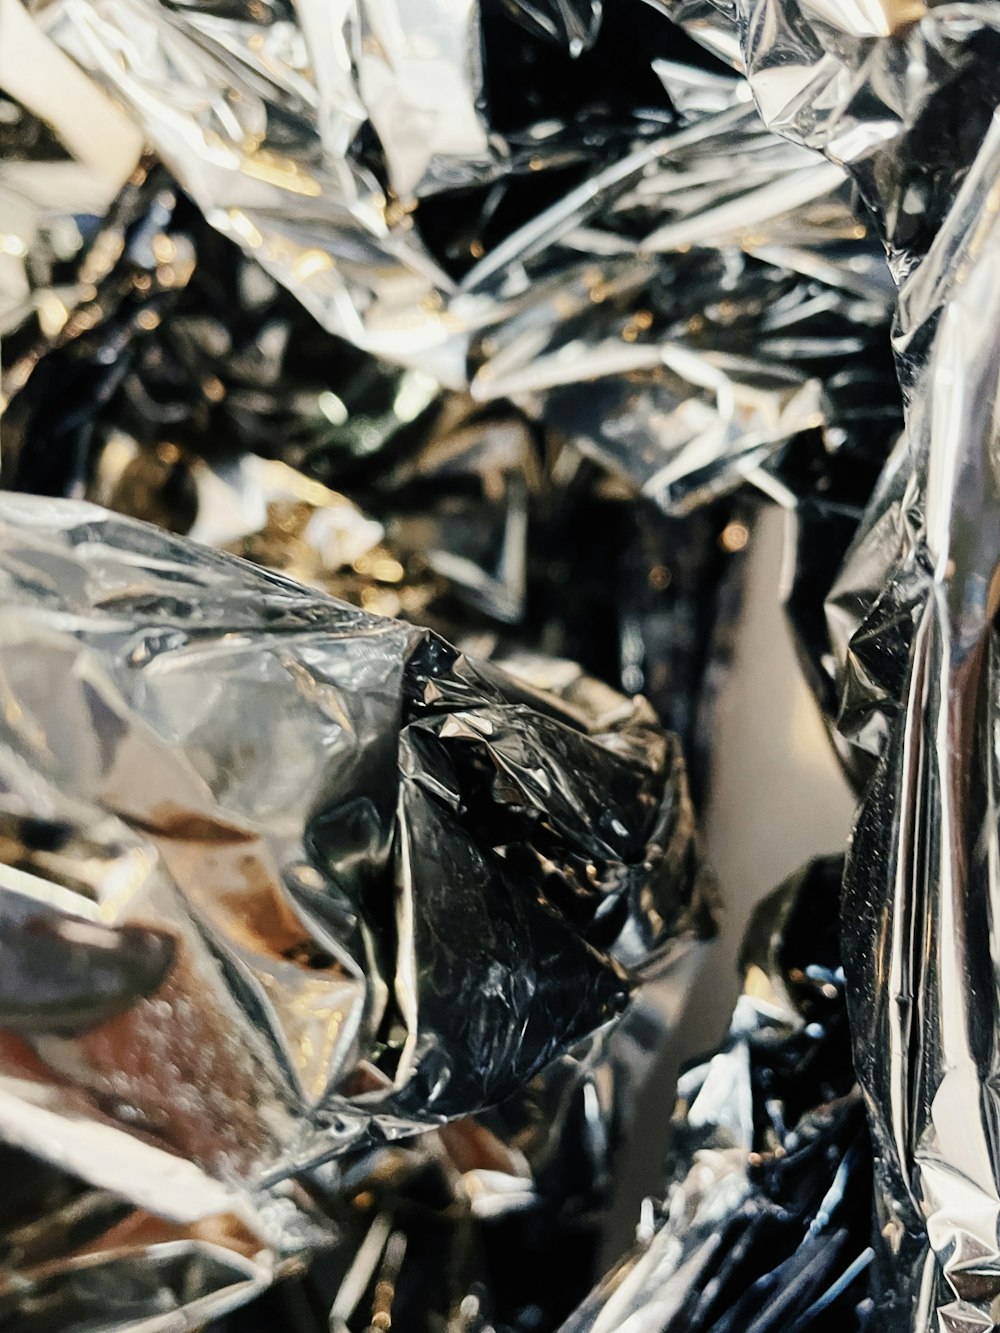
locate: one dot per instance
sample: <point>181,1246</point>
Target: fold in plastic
<point>765,1222</point>
<point>286,879</point>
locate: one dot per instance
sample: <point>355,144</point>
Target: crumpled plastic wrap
<point>618,220</point>
<point>77,1257</point>
<point>605,297</point>
<point>284,879</point>
<point>462,1228</point>
<point>169,391</point>
<point>906,97</point>
<point>765,1223</point>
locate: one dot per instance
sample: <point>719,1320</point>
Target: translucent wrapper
<point>285,880</point>
<point>765,1223</point>
<point>906,97</point>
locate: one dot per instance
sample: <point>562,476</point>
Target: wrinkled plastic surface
<point>190,390</point>
<point>285,879</point>
<point>610,236</point>
<point>906,97</point>
<point>765,1223</point>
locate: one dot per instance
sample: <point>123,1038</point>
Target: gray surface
<point>777,800</point>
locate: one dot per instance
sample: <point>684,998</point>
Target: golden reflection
<point>281,171</point>
<point>52,314</point>
<point>757,984</point>
<point>245,229</point>
<point>309,263</point>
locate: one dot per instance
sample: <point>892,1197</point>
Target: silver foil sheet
<point>191,390</point>
<point>608,286</point>
<point>906,97</point>
<point>285,881</point>
<point>76,1257</point>
<point>606,234</point>
<point>462,1228</point>
<point>765,1222</point>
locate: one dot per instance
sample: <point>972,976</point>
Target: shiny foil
<point>462,1228</point>
<point>905,96</point>
<point>705,319</point>
<point>439,296</point>
<point>765,1222</point>
<point>285,880</point>
<point>180,373</point>
<point>77,1257</point>
<point>518,211</point>
<point>190,390</point>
